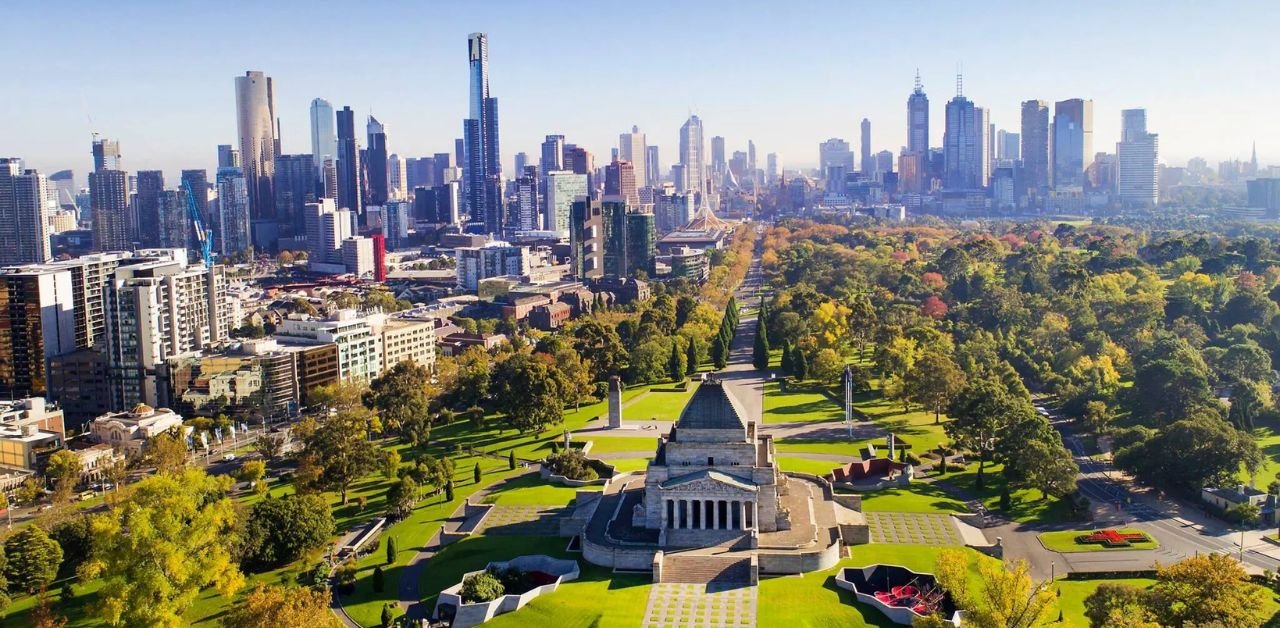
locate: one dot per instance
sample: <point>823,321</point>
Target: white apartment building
<point>359,348</point>
<point>493,259</point>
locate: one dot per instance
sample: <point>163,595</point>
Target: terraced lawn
<point>532,490</point>
<point>621,444</point>
<point>840,448</point>
<point>659,404</point>
<point>919,497</point>
<point>805,465</point>
<point>790,407</point>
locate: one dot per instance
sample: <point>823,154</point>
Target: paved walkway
<point>681,605</point>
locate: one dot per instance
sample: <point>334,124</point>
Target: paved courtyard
<point>680,605</point>
<point>522,520</point>
<point>913,528</point>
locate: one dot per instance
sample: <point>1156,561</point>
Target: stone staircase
<point>705,569</point>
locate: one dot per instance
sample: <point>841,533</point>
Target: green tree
<point>33,560</point>
<point>760,347</point>
<point>511,460</point>
<point>63,471</point>
<point>481,587</point>
<point>828,367</point>
<point>388,616</point>
<point>933,381</point>
<point>166,452</point>
<point>170,539</point>
<point>599,345</point>
<point>1209,451</point>
<point>475,473</point>
<point>1249,399</point>
<point>401,497</point>
<point>1208,589</point>
<point>278,531</point>
<point>403,401</point>
<point>391,550</point>
<point>75,536</point>
<point>719,352</point>
<point>390,464</point>
<point>800,365</point>
<point>675,364</point>
<point>1111,601</point>
<point>342,448</point>
<point>530,391</point>
<point>379,580</point>
<point>252,471</point>
<point>1003,598</point>
<point>691,358</point>
<point>980,415</point>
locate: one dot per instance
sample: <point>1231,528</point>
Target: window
<point>711,461</point>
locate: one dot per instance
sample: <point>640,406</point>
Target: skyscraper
<point>483,169</point>
<point>522,160</point>
<point>552,154</point>
<point>868,165</point>
<point>562,189</point>
<point>917,154</point>
<point>26,198</point>
<point>962,143</point>
<point>620,183</point>
<point>1072,141</point>
<point>717,154</point>
<point>632,147</point>
<point>146,206</point>
<point>199,182</point>
<point>1008,145</point>
<point>106,155</point>
<point>693,157</point>
<point>228,156</point>
<point>231,228</point>
<point>173,229</point>
<point>256,122</point>
<point>349,189</point>
<point>652,167</point>
<point>834,153</point>
<point>324,139</point>
<point>1037,176</point>
<point>295,186</point>
<point>376,163</point>
<point>526,206</point>
<point>109,201</point>
<point>396,177</point>
<point>1138,155</point>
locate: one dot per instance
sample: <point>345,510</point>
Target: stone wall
<point>618,557</point>
<point>467,615</point>
<point>793,562</point>
<point>696,453</point>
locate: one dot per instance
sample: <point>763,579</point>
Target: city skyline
<point>187,113</point>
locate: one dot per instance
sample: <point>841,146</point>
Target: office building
<point>494,259</point>
<point>37,322</point>
<point>359,348</point>
<point>146,206</point>
<point>562,189</point>
<point>1037,171</point>
<point>834,153</point>
<point>357,256</point>
<point>231,229</point>
<point>398,221</point>
<point>327,227</point>
<point>228,156</point>
<point>198,180</point>
<point>632,147</point>
<point>407,340</point>
<point>419,172</point>
<point>109,202</point>
<point>552,154</point>
<point>586,239</point>
<point>867,164</point>
<point>295,186</point>
<point>1138,159</point>
<point>718,163</point>
<point>483,169</point>
<point>962,140</point>
<point>376,163</point>
<point>525,211</point>
<point>1072,142</point>
<point>1008,146</point>
<point>256,123</point>
<point>350,187</point>
<point>653,167</point>
<point>30,430</point>
<point>918,120</point>
<point>692,157</point>
<point>324,137</point>
<point>396,177</point>
<point>620,182</point>
<point>27,202</point>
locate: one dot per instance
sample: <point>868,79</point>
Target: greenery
<point>31,560</point>
<point>280,530</point>
<point>1004,597</point>
<point>282,606</point>
<point>481,587</point>
<point>1064,541</point>
<point>1210,589</point>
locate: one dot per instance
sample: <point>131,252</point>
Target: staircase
<point>704,569</point>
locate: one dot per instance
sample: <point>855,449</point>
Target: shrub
<point>572,464</point>
<point>481,587</point>
<point>379,580</point>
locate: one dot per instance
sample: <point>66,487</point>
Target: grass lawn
<point>660,405</point>
<point>532,490</point>
<point>597,598</point>
<point>852,449</point>
<point>1027,505</point>
<point>629,444</point>
<point>1064,541</point>
<point>1267,436</point>
<point>813,600</point>
<point>805,465</point>
<point>623,465</point>
<point>920,497</point>
<point>789,407</point>
<point>916,428</point>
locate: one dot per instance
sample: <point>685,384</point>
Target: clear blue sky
<point>158,75</point>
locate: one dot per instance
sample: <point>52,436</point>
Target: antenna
<point>959,80</point>
<point>919,85</point>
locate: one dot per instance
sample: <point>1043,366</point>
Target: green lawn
<point>852,449</point>
<point>597,598</point>
<point>789,407</point>
<point>532,490</point>
<point>1074,592</point>
<point>1267,436</point>
<point>623,465</point>
<point>1064,541</point>
<point>628,444</point>
<point>805,465</point>
<point>813,600</point>
<point>916,428</point>
<point>919,497</point>
<point>659,405</point>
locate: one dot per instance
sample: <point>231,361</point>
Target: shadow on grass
<point>870,616</point>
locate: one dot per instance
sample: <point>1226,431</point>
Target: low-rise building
<point>683,262</point>
<point>30,430</point>
<point>1228,498</point>
<point>128,432</point>
<point>550,317</point>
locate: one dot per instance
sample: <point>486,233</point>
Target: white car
<point>229,457</point>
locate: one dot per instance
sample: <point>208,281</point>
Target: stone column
<point>665,517</point>
<point>715,514</point>
<point>742,520</point>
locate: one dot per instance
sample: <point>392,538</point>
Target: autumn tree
<point>292,607</point>
<point>1003,598</point>
<point>169,540</point>
<point>63,471</point>
<point>166,452</point>
<point>1204,590</point>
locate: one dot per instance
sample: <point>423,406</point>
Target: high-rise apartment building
<point>198,179</point>
<point>109,201</point>
<point>563,188</point>
<point>1138,158</point>
<point>37,322</point>
<point>228,156</point>
<point>146,206</point>
<point>620,182</point>
<point>1072,142</point>
<point>1008,145</point>
<point>106,155</point>
<point>231,229</point>
<point>633,148</point>
<point>483,168</point>
<point>867,163</point>
<point>324,137</point>
<point>173,226</point>
<point>718,162</point>
<point>693,157</point>
<point>653,168</point>
<point>376,163</point>
<point>256,123</point>
<point>349,186</point>
<point>327,227</point>
<point>1037,171</point>
<point>295,186</point>
<point>26,202</point>
<point>396,177</point>
<point>525,212</point>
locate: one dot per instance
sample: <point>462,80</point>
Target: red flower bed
<point>1112,538</point>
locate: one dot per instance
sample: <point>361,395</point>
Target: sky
<point>158,75</point>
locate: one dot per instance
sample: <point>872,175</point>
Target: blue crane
<point>197,224</point>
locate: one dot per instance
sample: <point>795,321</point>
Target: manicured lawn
<point>789,407</point>
<point>532,490</point>
<point>629,464</point>
<point>1064,541</point>
<point>659,404</point>
<point>1026,505</point>
<point>805,465</point>
<point>1267,436</point>
<point>628,444</point>
<point>813,600</point>
<point>916,428</point>
<point>852,449</point>
<point>919,497</point>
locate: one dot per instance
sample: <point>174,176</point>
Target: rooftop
<point>712,408</point>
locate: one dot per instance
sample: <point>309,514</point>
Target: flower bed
<point>524,578</point>
<point>1112,538</point>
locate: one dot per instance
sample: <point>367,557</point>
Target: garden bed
<point>1106,540</point>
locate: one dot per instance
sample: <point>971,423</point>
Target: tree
<point>342,449</point>
<point>600,345</point>
<point>481,587</point>
<point>166,452</point>
<point>1111,601</point>
<point>390,464</point>
<point>401,497</point>
<point>828,367</point>
<point>278,531</point>
<point>295,607</point>
<point>75,536</point>
<point>530,391</point>
<point>1004,598</point>
<point>787,362</point>
<point>388,616</point>
<point>448,490</point>
<point>675,364</point>
<point>800,365</point>
<point>1035,458</point>
<point>691,357</point>
<point>1097,416</point>
<point>33,560</point>
<point>42,616</point>
<point>720,352</point>
<point>391,550</point>
<point>403,401</point>
<point>760,347</point>
<point>475,473</point>
<point>63,470</point>
<point>1249,399</point>
<point>167,541</point>
<point>981,414</point>
<point>575,374</point>
<point>933,381</point>
<point>270,446</point>
<point>933,307</point>
<point>252,471</point>
<point>1207,589</point>
<point>1208,451</point>
<point>379,580</point>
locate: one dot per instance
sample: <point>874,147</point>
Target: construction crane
<point>197,224</point>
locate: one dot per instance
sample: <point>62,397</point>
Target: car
<point>229,457</point>
<point>1042,411</point>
